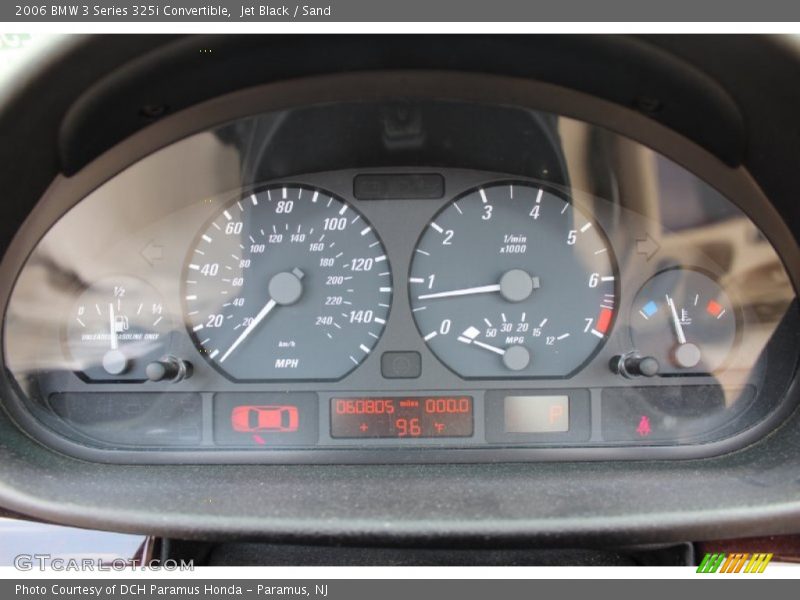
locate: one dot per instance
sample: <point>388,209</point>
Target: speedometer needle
<point>284,289</point>
<point>249,329</point>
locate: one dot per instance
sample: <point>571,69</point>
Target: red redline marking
<point>604,320</point>
<point>714,308</point>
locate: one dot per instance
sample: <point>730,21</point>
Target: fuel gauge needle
<point>112,326</point>
<point>114,361</point>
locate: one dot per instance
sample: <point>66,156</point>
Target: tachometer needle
<point>483,289</point>
<point>249,329</point>
<point>515,285</point>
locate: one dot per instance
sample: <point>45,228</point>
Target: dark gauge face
<point>118,326</point>
<point>512,281</point>
<point>685,320</point>
<point>288,283</point>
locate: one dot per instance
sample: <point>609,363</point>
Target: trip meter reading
<point>287,283</point>
<point>511,280</point>
<point>412,417</point>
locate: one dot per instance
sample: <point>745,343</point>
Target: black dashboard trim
<point>169,79</point>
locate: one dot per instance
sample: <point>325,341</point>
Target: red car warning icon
<point>255,419</point>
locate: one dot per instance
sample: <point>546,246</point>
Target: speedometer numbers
<point>287,283</point>
<point>511,280</point>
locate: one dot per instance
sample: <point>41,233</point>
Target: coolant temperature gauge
<point>118,326</point>
<point>684,320</point>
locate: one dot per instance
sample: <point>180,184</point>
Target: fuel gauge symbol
<point>685,320</point>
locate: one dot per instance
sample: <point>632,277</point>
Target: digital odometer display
<point>402,417</point>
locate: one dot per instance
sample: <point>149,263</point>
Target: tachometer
<point>287,283</point>
<point>511,280</point>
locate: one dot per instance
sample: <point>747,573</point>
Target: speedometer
<point>511,280</point>
<point>287,283</point>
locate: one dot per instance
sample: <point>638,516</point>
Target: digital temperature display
<point>402,417</point>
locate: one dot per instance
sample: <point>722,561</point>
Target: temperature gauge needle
<point>676,322</point>
<point>686,355</point>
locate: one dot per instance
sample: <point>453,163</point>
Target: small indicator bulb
<point>644,429</point>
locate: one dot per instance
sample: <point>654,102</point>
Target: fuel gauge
<point>119,325</point>
<point>684,320</point>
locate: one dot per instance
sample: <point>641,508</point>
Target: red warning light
<point>644,426</point>
<point>254,419</point>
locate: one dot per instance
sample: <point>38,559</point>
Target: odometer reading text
<point>402,417</point>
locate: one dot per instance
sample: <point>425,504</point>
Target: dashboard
<point>478,291</point>
<point>590,298</point>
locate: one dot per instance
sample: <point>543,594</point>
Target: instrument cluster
<point>202,304</point>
